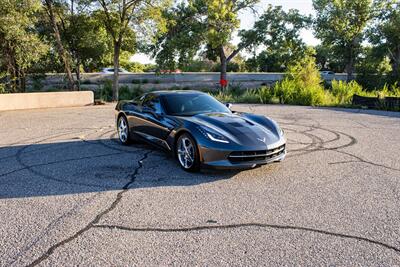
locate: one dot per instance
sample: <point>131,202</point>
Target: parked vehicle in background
<point>327,75</point>
<point>111,71</point>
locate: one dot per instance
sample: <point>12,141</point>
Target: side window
<point>153,102</point>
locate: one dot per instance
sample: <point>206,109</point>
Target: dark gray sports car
<point>200,131</point>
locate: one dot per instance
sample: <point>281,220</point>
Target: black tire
<point>191,157</point>
<point>123,130</point>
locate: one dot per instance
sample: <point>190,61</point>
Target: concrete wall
<point>45,100</point>
<point>91,81</point>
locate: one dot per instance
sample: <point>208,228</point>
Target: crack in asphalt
<point>98,217</point>
<point>52,225</point>
<point>246,225</point>
<point>361,160</point>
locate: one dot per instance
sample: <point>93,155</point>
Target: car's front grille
<point>260,155</point>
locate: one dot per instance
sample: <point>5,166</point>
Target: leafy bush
<point>266,95</point>
<point>235,89</point>
<point>124,93</point>
<point>37,81</point>
<point>136,81</point>
<point>2,88</point>
<point>137,91</point>
<point>302,84</point>
<point>106,91</point>
<point>249,96</point>
<point>86,82</point>
<point>224,97</point>
<point>390,91</point>
<point>343,91</point>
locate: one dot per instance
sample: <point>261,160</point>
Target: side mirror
<point>229,105</point>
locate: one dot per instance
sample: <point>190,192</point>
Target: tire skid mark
<point>49,146</point>
<point>24,147</point>
<point>319,143</point>
<point>98,217</point>
<point>104,142</point>
<point>247,225</point>
<point>49,177</point>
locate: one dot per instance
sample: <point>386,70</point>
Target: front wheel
<point>187,153</point>
<point>123,131</point>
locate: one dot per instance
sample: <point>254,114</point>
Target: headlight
<point>212,135</point>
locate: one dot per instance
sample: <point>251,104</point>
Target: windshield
<point>191,104</point>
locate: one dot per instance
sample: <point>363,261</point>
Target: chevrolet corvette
<point>200,131</point>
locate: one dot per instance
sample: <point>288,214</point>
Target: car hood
<point>238,128</point>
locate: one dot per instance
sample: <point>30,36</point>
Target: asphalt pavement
<point>71,195</point>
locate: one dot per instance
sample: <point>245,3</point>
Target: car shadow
<point>84,166</point>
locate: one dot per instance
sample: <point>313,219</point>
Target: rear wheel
<point>123,130</point>
<point>187,154</point>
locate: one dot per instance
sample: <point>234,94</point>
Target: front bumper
<point>223,159</point>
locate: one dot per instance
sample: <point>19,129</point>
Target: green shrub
<point>136,81</point>
<point>137,91</point>
<point>343,91</point>
<point>37,81</point>
<point>396,89</point>
<point>390,91</point>
<point>2,88</point>
<point>86,82</point>
<point>144,81</point>
<point>106,91</point>
<point>302,84</point>
<point>235,89</point>
<point>266,95</point>
<point>249,96</point>
<point>224,97</point>
<point>125,93</point>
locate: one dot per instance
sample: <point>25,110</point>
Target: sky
<point>247,19</point>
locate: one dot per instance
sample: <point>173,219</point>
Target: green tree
<point>83,34</point>
<point>327,59</point>
<point>384,34</point>
<point>302,84</point>
<point>122,20</point>
<point>278,33</point>
<point>20,46</point>
<point>49,5</point>
<point>341,24</point>
<point>196,24</point>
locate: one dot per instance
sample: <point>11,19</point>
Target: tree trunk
<point>11,66</point>
<point>350,67</point>
<point>223,61</point>
<point>117,47</point>
<point>351,58</point>
<point>60,47</point>
<point>78,74</point>
<point>22,79</point>
<point>396,65</point>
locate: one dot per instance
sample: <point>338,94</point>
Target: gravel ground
<point>71,195</point>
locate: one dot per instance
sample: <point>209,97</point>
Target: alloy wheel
<point>186,152</point>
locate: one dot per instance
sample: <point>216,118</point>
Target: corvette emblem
<point>261,140</point>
